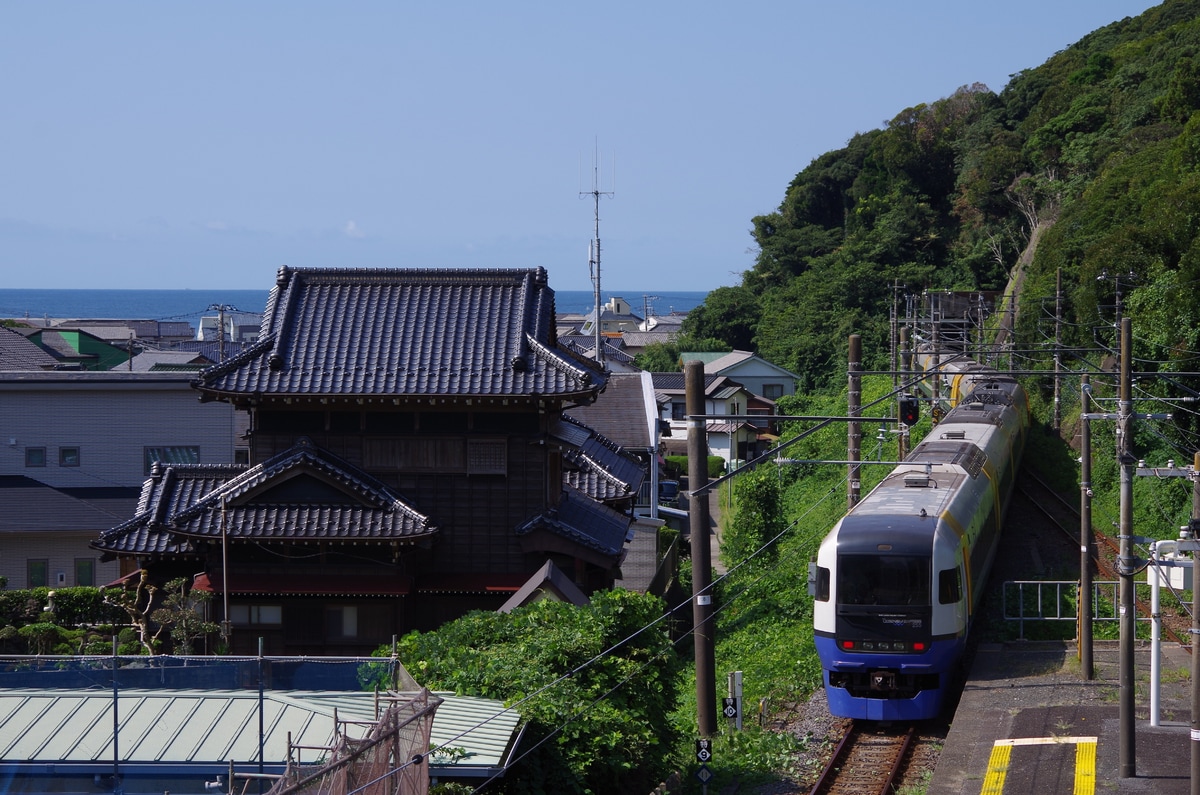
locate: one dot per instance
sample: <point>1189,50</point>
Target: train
<point>897,581</point>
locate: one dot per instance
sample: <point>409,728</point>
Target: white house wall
<point>110,418</point>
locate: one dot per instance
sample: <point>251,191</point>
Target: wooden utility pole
<point>1195,743</point>
<point>705,645</point>
<point>1085,530</point>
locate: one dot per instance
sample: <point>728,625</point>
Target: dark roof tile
<point>407,332</point>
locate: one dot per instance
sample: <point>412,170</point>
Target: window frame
<point>90,565</point>
<point>64,456</point>
<point>30,564</point>
<point>148,463</point>
<point>31,457</point>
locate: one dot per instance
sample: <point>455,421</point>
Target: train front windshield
<point>883,580</point>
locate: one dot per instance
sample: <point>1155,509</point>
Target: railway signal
<point>910,410</point>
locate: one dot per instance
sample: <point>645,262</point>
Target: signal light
<point>910,410</point>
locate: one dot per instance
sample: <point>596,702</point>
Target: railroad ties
<point>869,759</point>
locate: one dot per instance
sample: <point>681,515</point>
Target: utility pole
<point>1085,531</point>
<point>1125,568</point>
<point>905,367</point>
<point>594,253</point>
<point>1195,743</point>
<point>647,308</point>
<point>221,310</point>
<point>854,427</point>
<point>1058,349</point>
<point>705,645</point>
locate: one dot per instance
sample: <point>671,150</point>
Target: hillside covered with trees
<point>1093,154</point>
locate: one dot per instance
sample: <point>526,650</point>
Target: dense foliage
<point>593,685</point>
<point>1094,155</point>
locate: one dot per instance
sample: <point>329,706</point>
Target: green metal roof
<point>183,728</point>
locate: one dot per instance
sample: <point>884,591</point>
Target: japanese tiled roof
<point>597,466</point>
<point>395,333</point>
<point>18,353</point>
<point>581,519</point>
<point>301,495</point>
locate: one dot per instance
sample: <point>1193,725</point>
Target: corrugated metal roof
<point>407,332</point>
<point>193,727</point>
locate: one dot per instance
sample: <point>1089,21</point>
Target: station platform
<point>1029,723</point>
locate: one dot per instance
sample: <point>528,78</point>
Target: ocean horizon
<point>190,304</point>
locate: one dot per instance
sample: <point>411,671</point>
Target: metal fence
<point>1056,600</point>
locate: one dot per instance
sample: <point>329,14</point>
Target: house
<point>75,448</point>
<point>627,413</point>
<point>735,439</point>
<point>408,461</point>
<point>616,317</point>
<point>75,348</point>
<point>18,353</point>
<point>756,374</point>
<point>160,361</point>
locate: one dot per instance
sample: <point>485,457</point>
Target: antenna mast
<point>594,250</point>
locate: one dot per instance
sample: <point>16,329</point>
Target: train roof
<point>896,534</point>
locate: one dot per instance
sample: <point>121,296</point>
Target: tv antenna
<point>594,245</point>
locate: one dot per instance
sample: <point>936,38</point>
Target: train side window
<point>818,582</point>
<point>949,586</point>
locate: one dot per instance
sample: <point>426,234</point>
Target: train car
<point>898,579</point>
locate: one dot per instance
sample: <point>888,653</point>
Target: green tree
<point>593,685</point>
<point>758,520</point>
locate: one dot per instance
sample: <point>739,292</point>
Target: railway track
<point>1105,550</point>
<point>869,759</point>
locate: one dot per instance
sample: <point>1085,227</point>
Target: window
<point>487,457</point>
<point>37,573</point>
<point>773,391</point>
<point>184,454</point>
<point>35,456</point>
<point>341,622</point>
<point>256,615</point>
<point>85,571</point>
<point>949,586</point>
<point>68,456</point>
<point>819,584</point>
<point>679,410</point>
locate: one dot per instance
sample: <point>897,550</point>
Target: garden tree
<point>174,610</point>
<point>182,613</point>
<point>603,727</point>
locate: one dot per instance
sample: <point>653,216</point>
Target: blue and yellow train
<point>899,578</point>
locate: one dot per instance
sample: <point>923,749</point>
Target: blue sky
<point>190,145</point>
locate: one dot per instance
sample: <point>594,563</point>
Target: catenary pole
<point>854,427</point>
<point>705,646</point>
<point>1127,612</point>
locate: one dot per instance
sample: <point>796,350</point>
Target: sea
<point>191,305</point>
